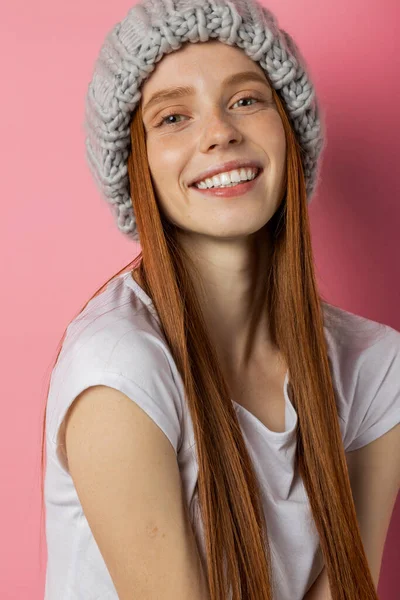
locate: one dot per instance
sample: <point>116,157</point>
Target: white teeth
<point>228,179</point>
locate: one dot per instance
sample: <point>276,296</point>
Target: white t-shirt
<point>117,341</point>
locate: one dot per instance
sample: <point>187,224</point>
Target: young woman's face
<point>218,122</point>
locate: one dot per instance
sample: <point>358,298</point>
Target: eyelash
<point>160,123</point>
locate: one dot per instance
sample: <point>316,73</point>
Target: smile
<point>231,190</point>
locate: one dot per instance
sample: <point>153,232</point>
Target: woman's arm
<point>320,589</point>
<point>127,477</point>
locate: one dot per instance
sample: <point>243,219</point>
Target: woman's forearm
<point>320,589</point>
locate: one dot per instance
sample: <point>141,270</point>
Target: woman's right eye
<point>161,121</point>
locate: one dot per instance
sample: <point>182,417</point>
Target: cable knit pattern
<point>154,28</point>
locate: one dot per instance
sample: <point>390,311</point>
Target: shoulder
<point>355,343</point>
<point>115,328</point>
<point>364,355</point>
<point>116,342</point>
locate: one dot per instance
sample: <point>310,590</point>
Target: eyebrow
<point>181,91</point>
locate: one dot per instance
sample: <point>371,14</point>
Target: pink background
<point>59,242</point>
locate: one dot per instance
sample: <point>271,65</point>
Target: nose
<point>219,131</point>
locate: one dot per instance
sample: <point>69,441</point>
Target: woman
<point>181,461</point>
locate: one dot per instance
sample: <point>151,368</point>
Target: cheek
<point>275,146</point>
<point>166,165</point>
<point>166,160</point>
<point>273,133</point>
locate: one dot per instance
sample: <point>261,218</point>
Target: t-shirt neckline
<point>280,436</point>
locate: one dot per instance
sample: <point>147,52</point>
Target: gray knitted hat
<point>153,28</point>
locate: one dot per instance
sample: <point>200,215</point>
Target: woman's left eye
<point>246,98</point>
<point>161,122</point>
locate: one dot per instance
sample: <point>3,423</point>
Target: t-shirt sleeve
<point>375,407</point>
<point>130,361</point>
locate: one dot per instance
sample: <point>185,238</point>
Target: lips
<point>229,192</point>
<point>237,182</point>
<point>225,167</point>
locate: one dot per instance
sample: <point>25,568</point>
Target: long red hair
<point>229,496</point>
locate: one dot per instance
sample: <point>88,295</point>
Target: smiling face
<point>223,119</point>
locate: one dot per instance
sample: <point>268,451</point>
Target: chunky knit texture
<point>154,28</point>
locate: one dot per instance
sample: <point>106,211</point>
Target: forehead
<point>192,64</point>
